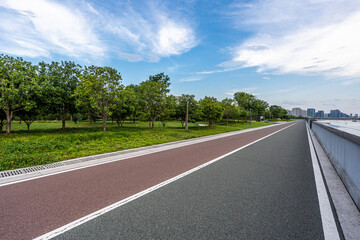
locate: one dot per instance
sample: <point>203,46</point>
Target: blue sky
<point>303,53</point>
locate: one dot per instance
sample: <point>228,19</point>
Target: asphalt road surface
<point>264,191</point>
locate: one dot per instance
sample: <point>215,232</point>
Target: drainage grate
<point>15,172</point>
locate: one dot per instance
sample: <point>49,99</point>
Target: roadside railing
<point>343,150</point>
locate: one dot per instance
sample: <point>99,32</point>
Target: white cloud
<point>157,32</point>
<point>191,79</point>
<point>306,37</point>
<point>174,39</point>
<point>44,27</point>
<point>145,31</point>
<point>130,57</point>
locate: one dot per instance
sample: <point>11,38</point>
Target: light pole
<point>250,116</point>
<point>187,114</point>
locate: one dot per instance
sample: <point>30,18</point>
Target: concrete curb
<point>347,212</point>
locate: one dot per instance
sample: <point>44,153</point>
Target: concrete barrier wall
<point>343,150</point>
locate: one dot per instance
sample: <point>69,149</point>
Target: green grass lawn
<point>46,143</point>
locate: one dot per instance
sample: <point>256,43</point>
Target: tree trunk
<point>63,119</point>
<point>9,114</point>
<point>227,121</point>
<point>104,122</point>
<point>28,126</point>
<point>1,126</point>
<point>153,122</point>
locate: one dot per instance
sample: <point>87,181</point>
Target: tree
<point>18,82</point>
<point>100,87</point>
<point>2,120</point>
<point>194,112</point>
<point>153,94</point>
<point>245,100</point>
<point>211,109</point>
<point>28,117</point>
<point>134,101</point>
<point>162,78</point>
<point>230,110</point>
<point>169,109</point>
<point>121,109</point>
<point>244,114</point>
<point>277,111</point>
<point>259,107</point>
<point>63,78</point>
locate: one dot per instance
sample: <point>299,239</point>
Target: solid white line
<point>100,212</point>
<point>327,217</point>
<point>141,152</point>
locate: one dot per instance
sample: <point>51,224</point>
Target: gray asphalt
<point>265,191</point>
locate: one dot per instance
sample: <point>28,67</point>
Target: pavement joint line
<point>120,203</point>
<point>327,217</point>
<point>100,159</point>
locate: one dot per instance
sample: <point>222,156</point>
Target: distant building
<point>310,113</point>
<point>335,113</point>
<point>356,116</point>
<point>304,113</point>
<point>320,114</point>
<point>298,112</point>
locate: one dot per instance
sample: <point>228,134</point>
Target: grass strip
<point>46,143</point>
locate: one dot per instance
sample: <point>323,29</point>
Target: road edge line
<point>327,217</point>
<point>113,206</point>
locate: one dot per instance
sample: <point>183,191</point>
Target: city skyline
<point>301,54</point>
<point>314,113</point>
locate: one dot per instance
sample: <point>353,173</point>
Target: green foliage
<point>160,77</point>
<point>277,111</point>
<point>211,109</point>
<point>18,83</point>
<point>153,95</point>
<point>63,79</point>
<point>259,107</point>
<point>28,116</point>
<point>99,89</point>
<point>194,109</point>
<point>122,107</point>
<point>134,101</point>
<point>248,101</point>
<point>231,111</point>
<point>2,120</point>
<point>245,100</point>
<point>169,109</point>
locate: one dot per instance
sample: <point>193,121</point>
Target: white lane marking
<point>100,212</point>
<point>141,152</point>
<point>327,217</point>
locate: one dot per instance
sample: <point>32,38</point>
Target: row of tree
<point>65,90</point>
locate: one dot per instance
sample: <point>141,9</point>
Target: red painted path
<point>32,208</point>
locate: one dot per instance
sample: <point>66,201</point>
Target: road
<point>266,190</point>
